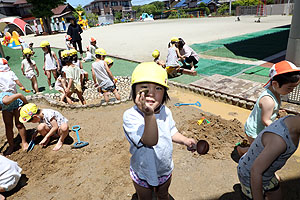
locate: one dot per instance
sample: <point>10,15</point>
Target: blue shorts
<point>108,89</point>
<point>12,106</point>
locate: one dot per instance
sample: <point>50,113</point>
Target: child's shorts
<point>272,186</point>
<point>108,89</point>
<point>143,183</point>
<point>30,74</point>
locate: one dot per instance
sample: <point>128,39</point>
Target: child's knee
<point>19,125</point>
<point>64,127</point>
<point>42,129</point>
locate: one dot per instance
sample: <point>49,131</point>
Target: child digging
<point>103,77</point>
<point>51,123</point>
<point>155,55</point>
<point>150,130</point>
<point>285,77</point>
<point>10,104</point>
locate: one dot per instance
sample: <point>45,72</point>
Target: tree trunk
<point>47,25</point>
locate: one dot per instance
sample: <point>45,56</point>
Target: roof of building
<point>181,4</point>
<point>20,2</point>
<point>60,9</point>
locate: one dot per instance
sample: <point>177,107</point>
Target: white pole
<point>288,8</point>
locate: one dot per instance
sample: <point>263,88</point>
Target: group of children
<point>149,125</point>
<point>150,130</point>
<point>68,72</point>
<point>178,50</point>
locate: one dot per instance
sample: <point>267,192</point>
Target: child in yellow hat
<point>10,104</point>
<point>150,130</point>
<point>172,64</point>
<point>51,123</point>
<point>155,55</point>
<point>28,66</point>
<point>103,77</point>
<point>51,63</point>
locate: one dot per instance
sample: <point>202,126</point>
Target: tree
<point>79,8</point>
<point>93,19</point>
<point>42,9</point>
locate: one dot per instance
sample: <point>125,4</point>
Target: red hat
<point>4,65</point>
<point>281,68</point>
<point>68,37</point>
<point>92,39</point>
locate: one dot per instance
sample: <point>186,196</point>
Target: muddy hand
<point>140,101</point>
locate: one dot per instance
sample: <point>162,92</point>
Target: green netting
<point>120,68</point>
<point>211,67</point>
<point>254,77</point>
<point>219,43</point>
<point>258,70</point>
<point>253,46</point>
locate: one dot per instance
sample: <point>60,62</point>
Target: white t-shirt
<point>10,173</point>
<point>50,114</point>
<point>101,74</point>
<point>27,67</point>
<point>150,163</point>
<point>50,63</point>
<point>7,82</point>
<point>74,73</point>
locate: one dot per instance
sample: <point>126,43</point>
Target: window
<point>125,3</point>
<point>105,3</point>
<point>114,3</point>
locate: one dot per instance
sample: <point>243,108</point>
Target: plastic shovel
<point>32,142</point>
<point>188,104</point>
<point>78,144</point>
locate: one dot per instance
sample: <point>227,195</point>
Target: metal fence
<point>273,9</point>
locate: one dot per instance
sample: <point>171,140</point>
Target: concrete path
<point>137,40</point>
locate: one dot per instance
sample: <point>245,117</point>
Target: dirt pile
<point>221,134</point>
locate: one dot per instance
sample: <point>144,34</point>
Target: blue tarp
<point>204,1</point>
<point>180,4</point>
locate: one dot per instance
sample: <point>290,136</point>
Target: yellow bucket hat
<point>150,72</point>
<point>27,111</point>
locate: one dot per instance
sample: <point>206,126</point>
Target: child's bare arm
<point>109,72</point>
<point>37,71</point>
<point>94,76</point>
<point>52,131</point>
<point>274,145</point>
<point>80,65</point>
<point>178,54</point>
<point>55,57</point>
<point>9,99</point>
<point>181,139</point>
<point>19,84</point>
<point>267,106</point>
<point>22,69</point>
<point>150,135</point>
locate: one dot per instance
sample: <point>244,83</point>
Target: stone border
<point>222,97</point>
<point>59,104</point>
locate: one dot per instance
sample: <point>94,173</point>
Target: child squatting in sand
<point>51,123</point>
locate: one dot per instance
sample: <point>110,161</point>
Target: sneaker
<point>50,88</point>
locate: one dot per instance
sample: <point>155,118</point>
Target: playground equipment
<point>82,22</point>
<point>11,40</point>
<point>22,25</point>
<point>261,8</point>
<point>146,17</point>
<point>63,23</point>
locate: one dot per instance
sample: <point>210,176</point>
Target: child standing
<point>68,42</point>
<point>73,77</point>
<point>172,64</point>
<point>103,77</point>
<point>51,63</point>
<point>10,174</point>
<point>267,154</point>
<point>90,53</point>
<point>28,67</point>
<point>9,104</point>
<point>78,63</point>
<point>155,55</point>
<point>51,123</point>
<point>285,77</point>
<point>150,130</point>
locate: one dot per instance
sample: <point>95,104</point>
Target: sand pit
<point>101,169</point>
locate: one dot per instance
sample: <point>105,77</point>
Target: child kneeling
<point>51,123</point>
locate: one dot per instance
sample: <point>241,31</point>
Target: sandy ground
<point>101,169</point>
<point>137,40</point>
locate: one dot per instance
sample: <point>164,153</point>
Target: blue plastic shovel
<point>32,142</point>
<point>188,104</point>
<point>78,144</point>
